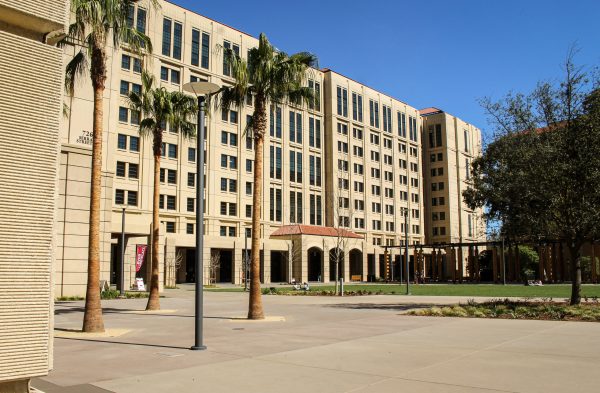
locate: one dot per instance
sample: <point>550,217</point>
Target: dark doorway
<point>356,265</point>
<point>370,267</point>
<point>382,265</point>
<point>115,265</point>
<point>278,266</point>
<point>332,264</point>
<point>225,266</point>
<point>315,264</point>
<point>190,265</point>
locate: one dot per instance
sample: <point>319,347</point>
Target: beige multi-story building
<point>31,75</point>
<point>450,145</point>
<point>309,183</point>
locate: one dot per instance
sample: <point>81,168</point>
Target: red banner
<point>140,254</point>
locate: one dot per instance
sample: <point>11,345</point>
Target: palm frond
<point>76,67</point>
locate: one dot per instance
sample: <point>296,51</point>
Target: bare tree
<point>213,266</point>
<point>173,262</point>
<point>294,254</point>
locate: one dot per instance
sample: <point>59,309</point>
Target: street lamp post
<point>406,251</point>
<point>200,90</point>
<point>122,278</point>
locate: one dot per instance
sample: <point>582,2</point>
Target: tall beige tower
<point>449,147</point>
<point>31,75</point>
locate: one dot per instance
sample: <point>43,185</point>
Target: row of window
<point>357,114</point>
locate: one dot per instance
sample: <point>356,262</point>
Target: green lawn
<point>487,290</point>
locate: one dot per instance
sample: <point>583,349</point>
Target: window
<point>359,223</point>
<point>228,185</point>
<point>134,143</point>
<point>177,32</point>
<point>413,133</point>
<point>342,147</point>
<point>135,117</point>
<point>229,138</point>
<point>191,179</point>
<point>373,114</point>
<point>248,211</point>
<point>195,58</point>
<point>387,143</point>
<point>359,186</point>
<point>401,125</point>
<point>387,118</point>
<point>376,225</point>
<point>342,101</point>
<point>137,65</point>
<point>314,170</point>
<point>316,88</point>
<point>205,50</point>
<point>275,204</point>
<point>191,202</point>
<point>357,110</point>
<point>126,62</point>
<point>248,188</point>
<point>315,210</point>
<point>191,154</point>
<point>229,209</point>
<point>123,114</point>
<point>374,156</point>
<point>166,39</point>
<point>120,169</point>
<point>249,165</point>
<point>120,197</point>
<point>175,77</point>
<point>275,122</point>
<point>357,133</point>
<point>376,207</point>
<point>164,74</point>
<point>170,226</point>
<point>342,129</point>
<point>375,190</point>
<point>467,168</point>
<point>387,159</point>
<point>228,161</point>
<point>358,169</point>
<point>189,229</point>
<point>295,127</point>
<point>359,204</point>
<point>314,132</point>
<point>375,173</point>
<point>172,150</point>
<point>133,171</point>
<point>171,202</point>
<point>236,51</point>
<point>275,162</point>
<point>124,89</point>
<point>374,138</point>
<point>295,166</point>
<point>295,207</point>
<point>132,197</point>
<point>357,151</point>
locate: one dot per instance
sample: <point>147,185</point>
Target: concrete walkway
<point>324,344</point>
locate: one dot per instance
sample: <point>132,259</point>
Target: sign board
<point>139,284</point>
<point>140,255</point>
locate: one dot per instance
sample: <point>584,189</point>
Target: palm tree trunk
<point>255,307</point>
<point>92,319</point>
<point>153,299</point>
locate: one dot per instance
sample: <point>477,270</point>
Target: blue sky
<point>445,53</point>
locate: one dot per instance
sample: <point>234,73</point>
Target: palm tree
<point>159,107</point>
<point>272,77</point>
<point>95,23</point>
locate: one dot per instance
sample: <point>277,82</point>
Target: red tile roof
<point>314,230</point>
<point>430,111</point>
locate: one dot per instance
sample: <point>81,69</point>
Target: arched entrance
<point>315,264</point>
<point>356,265</point>
<point>334,253</point>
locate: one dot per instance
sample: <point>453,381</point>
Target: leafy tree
<point>98,24</point>
<point>159,108</point>
<point>541,175</point>
<point>270,77</point>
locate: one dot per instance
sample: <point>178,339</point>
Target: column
<point>238,258</point>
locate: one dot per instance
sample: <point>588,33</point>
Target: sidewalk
<point>324,344</point>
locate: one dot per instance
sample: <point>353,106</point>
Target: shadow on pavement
<point>120,342</point>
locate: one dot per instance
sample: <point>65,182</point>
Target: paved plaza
<point>317,344</point>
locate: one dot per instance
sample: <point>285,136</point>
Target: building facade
<point>450,147</point>
<point>309,183</point>
<point>31,76</point>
